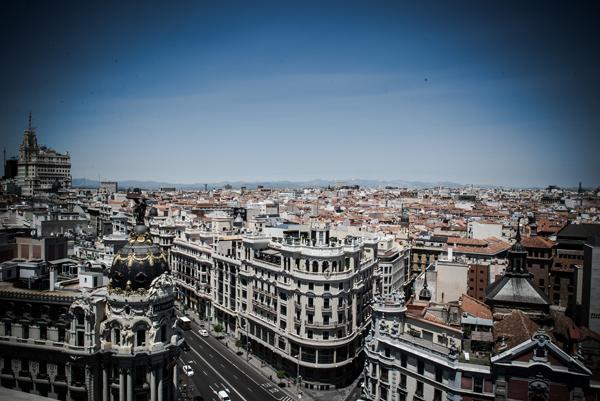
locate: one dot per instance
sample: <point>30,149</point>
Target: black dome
<point>137,263</point>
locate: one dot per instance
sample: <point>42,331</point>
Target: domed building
<point>515,289</point>
<point>139,345</point>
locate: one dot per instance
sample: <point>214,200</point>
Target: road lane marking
<point>249,389</point>
<point>206,374</point>
<point>218,374</point>
<point>235,377</point>
<point>233,364</point>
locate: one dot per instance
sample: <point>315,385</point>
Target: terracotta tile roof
<point>548,226</point>
<point>515,328</point>
<point>537,242</point>
<point>454,241</point>
<point>433,318</point>
<point>475,307</point>
<point>494,246</point>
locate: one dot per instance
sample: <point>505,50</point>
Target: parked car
<point>203,332</point>
<point>185,347</point>
<point>187,369</point>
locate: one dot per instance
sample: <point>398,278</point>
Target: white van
<point>223,396</point>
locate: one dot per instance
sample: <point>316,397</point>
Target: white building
<point>41,169</point>
<point>480,230</point>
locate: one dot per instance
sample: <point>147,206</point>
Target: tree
<point>218,328</point>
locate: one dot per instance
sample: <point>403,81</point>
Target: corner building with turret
<point>112,343</point>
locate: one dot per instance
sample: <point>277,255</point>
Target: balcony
<point>42,376</point>
<point>321,325</point>
<point>60,380</point>
<point>264,307</point>
<point>77,385</point>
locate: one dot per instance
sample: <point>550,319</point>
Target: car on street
<point>185,347</point>
<point>187,369</point>
<point>223,395</point>
<point>203,332</point>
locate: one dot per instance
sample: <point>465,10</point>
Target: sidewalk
<point>270,373</point>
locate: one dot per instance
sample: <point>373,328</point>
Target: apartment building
<point>298,298</point>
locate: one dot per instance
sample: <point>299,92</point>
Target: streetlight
<point>247,341</point>
<point>298,378</point>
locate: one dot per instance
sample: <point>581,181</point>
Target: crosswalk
<point>274,390</point>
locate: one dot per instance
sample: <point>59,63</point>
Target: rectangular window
<point>419,390</point>
<point>478,384</point>
<point>420,367</point>
<point>438,374</point>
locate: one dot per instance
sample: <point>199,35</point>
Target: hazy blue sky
<point>474,92</point>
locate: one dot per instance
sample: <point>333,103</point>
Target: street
<point>216,368</point>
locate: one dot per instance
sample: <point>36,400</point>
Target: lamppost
<point>298,377</point>
<point>247,340</point>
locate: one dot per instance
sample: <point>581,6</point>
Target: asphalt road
<point>216,368</point>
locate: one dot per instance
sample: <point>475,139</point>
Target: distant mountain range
<point>86,183</point>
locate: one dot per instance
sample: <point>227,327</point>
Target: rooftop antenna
<point>30,121</point>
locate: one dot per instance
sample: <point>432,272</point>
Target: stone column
<point>174,382</point>
<point>69,378</point>
<point>153,385</point>
<point>160,383</point>
<point>129,385</point>
<point>104,384</point>
<point>121,384</point>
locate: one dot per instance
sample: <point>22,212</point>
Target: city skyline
<point>474,95</point>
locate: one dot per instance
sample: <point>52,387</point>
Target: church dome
<point>137,263</point>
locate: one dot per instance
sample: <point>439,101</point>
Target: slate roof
<point>579,231</point>
<point>509,289</point>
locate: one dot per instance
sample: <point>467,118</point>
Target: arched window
<point>315,266</point>
<point>140,336</point>
<point>325,266</point>
<point>116,335</point>
<point>334,266</point>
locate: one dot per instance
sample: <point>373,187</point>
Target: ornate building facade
<point>299,301</point>
<point>113,343</point>
<point>41,169</point>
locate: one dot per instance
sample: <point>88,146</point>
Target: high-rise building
<point>41,169</point>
